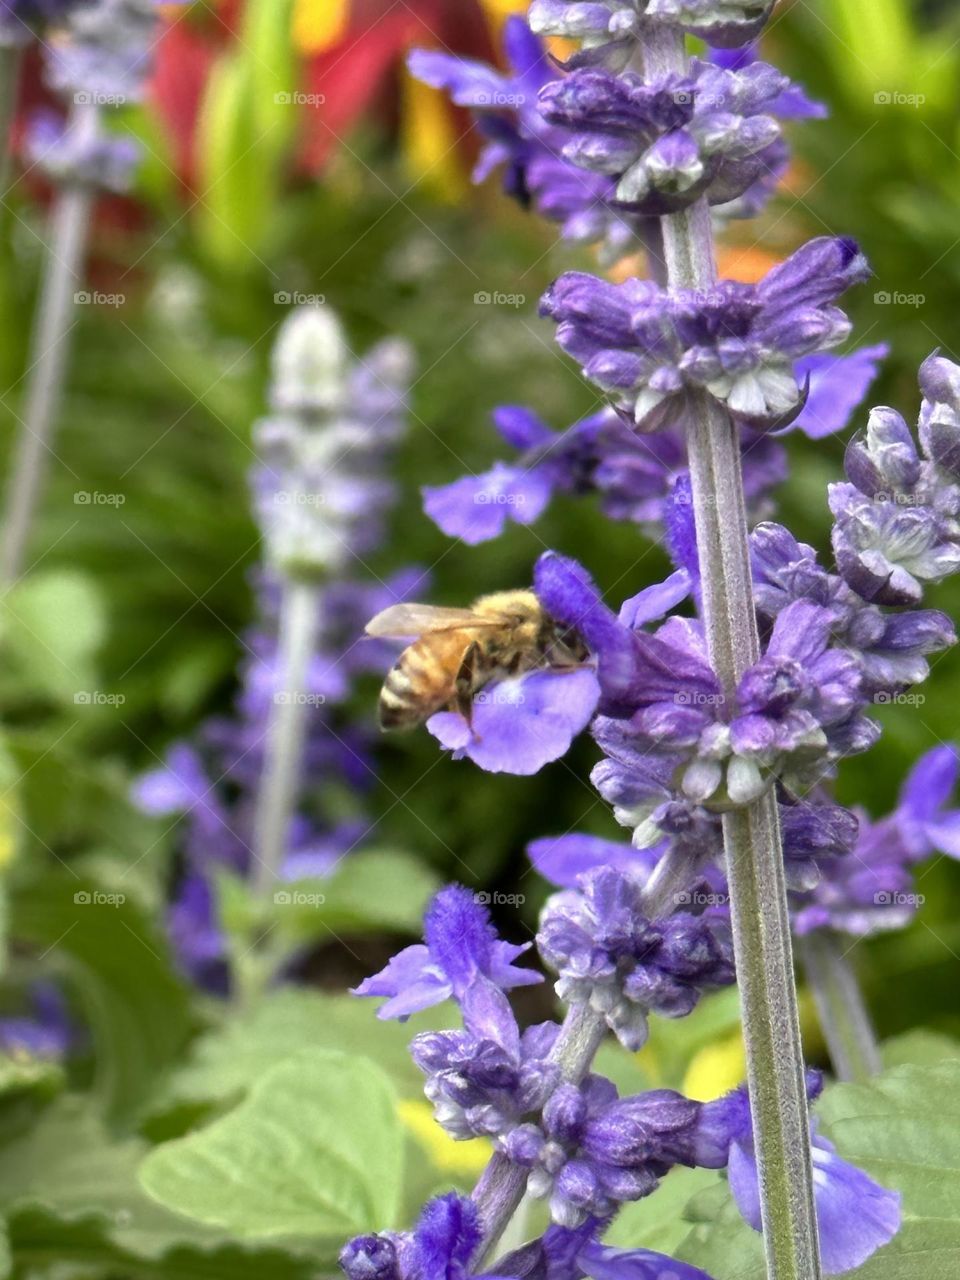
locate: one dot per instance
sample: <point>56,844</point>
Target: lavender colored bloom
<point>667,141</point>
<point>565,1253</point>
<point>855,1215</point>
<point>440,1245</point>
<point>609,954</point>
<point>107,54</point>
<point>892,647</point>
<point>653,349</point>
<point>460,951</point>
<point>897,521</point>
<point>593,1150</point>
<point>874,889</point>
<point>45,1032</point>
<point>74,155</point>
<point>521,142</point>
<point>319,489</point>
<point>609,29</point>
<point>520,725</point>
<point>564,859</point>
<point>635,475</point>
<point>197,936</point>
<point>483,1087</point>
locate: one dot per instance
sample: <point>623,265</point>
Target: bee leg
<point>463,699</point>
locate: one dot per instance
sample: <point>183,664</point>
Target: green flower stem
<point>844,1017</point>
<point>283,761</point>
<point>754,857</point>
<point>50,348</point>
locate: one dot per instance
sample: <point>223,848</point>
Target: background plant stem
<point>283,758</point>
<point>63,276</point>
<point>844,1017</point>
<point>754,857</point>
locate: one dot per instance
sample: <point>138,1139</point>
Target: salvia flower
<point>593,1150</point>
<point>321,488</point>
<point>670,140</point>
<point>609,29</point>
<point>80,153</point>
<point>653,349</point>
<point>607,953</point>
<point>897,521</point>
<point>874,890</point>
<point>855,1215</point>
<point>107,52</point>
<point>635,476</point>
<point>521,143</point>
<point>460,950</point>
<point>482,1086</point>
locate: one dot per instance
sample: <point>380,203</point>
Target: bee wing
<point>402,620</point>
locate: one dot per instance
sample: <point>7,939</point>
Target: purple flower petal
<point>522,724</point>
<point>855,1215</point>
<point>410,981</point>
<point>653,603</point>
<point>477,508</point>
<point>600,1262</point>
<point>563,859</point>
<point>838,386</point>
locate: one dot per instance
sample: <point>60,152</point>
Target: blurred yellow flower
<point>468,1159</point>
<point>8,833</point>
<point>716,1069</point>
<point>430,140</point>
<point>318,24</point>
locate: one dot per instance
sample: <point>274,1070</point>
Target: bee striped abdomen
<point>415,687</point>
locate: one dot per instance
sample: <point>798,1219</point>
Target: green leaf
<point>106,949</point>
<point>53,624</point>
<point>70,1191</point>
<point>904,1130</point>
<point>920,1048</point>
<point>377,889</point>
<point>315,1150</point>
<point>227,1061</point>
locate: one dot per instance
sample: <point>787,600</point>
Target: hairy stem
<point>754,858</point>
<point>844,1017</point>
<point>66,251</point>
<point>283,760</point>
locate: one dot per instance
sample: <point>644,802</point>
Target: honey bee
<point>459,651</point>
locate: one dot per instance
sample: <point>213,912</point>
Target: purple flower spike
<point>461,949</point>
<point>520,725</point>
